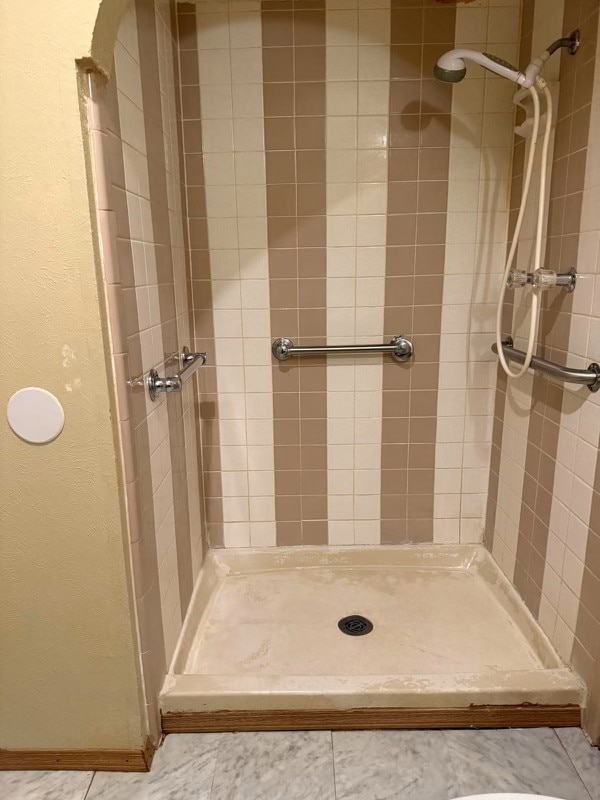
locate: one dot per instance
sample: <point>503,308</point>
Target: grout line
<point>335,794</point>
<point>450,759</point>
<point>212,783</point>
<point>87,791</point>
<point>583,783</point>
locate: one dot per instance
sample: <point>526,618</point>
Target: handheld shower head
<point>451,67</point>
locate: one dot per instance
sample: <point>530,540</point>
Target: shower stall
<point>342,513</point>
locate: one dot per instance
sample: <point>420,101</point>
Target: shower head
<point>451,67</point>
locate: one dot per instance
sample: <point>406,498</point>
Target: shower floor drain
<point>355,625</point>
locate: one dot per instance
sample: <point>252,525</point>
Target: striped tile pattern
<point>368,234</point>
<point>499,451</point>
<point>357,66</point>
<point>544,529</point>
<point>293,62</point>
<point>288,167</point>
<point>136,146</point>
<point>416,232</point>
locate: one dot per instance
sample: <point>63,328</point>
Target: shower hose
<point>540,85</point>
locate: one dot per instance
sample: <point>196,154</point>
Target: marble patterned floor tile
<point>295,765</point>
<point>182,769</point>
<point>529,761</point>
<point>63,785</point>
<point>585,757</point>
<point>392,765</point>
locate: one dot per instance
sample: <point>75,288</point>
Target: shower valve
<point>542,279</point>
<point>517,279</point>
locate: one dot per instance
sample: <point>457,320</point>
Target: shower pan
<point>445,642</point>
<point>422,636</point>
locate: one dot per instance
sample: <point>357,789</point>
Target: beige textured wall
<point>68,662</point>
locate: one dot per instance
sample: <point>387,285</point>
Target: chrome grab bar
<point>590,376</point>
<point>400,348</point>
<point>188,364</point>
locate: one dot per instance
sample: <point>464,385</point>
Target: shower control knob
<point>517,278</point>
<point>544,279</point>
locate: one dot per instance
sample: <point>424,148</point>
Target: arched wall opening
<point>315,180</point>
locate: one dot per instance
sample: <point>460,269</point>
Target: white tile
<point>341,168</point>
<point>373,97</point>
<point>471,531</point>
<point>262,509</point>
<point>446,506</point>
<point>372,132</point>
<point>254,262</point>
<point>260,457</point>
<point>371,165</point>
<point>236,534</point>
<point>258,379</point>
<point>342,98</point>
<point>246,65</point>
<point>342,27</point>
<point>341,132</point>
<point>212,30</point>
<point>263,534</point>
<point>247,101</point>
<point>370,261</point>
<point>372,198</point>
<point>217,136</point>
<point>248,134</point>
<point>249,168</point>
<point>342,64</point>
<point>446,531</point>
<point>341,231</point>
<point>219,169</point>
<point>371,230</point>
<point>215,67</point>
<point>503,25</point>
<point>251,201</point>
<point>340,481</point>
<point>367,532</point>
<point>374,27</point>
<point>245,29</point>
<point>221,202</point>
<point>259,405</point>
<point>261,483</point>
<point>252,233</point>
<point>367,507</point>
<point>373,62</point>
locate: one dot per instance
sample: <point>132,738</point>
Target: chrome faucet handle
<point>517,279</point>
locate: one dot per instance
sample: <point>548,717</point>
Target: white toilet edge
<point>507,796</point>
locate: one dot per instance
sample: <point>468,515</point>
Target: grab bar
<point>400,348</point>
<point>189,363</point>
<point>590,376</point>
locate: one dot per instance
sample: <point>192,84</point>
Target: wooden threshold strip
<point>500,716</point>
<point>87,760</point>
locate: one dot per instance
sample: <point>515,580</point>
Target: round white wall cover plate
<point>35,415</point>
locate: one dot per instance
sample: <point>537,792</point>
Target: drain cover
<point>355,625</point>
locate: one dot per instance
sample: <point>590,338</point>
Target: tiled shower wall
<point>543,519</point>
<point>322,186</point>
<point>338,194</point>
<point>136,149</point>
